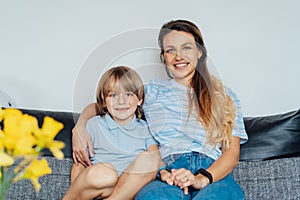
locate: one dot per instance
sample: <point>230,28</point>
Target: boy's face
<point>122,106</point>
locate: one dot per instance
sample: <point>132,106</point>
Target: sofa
<point>269,166</point>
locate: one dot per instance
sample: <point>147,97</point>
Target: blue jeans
<point>224,189</point>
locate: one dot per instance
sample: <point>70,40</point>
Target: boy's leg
<point>140,172</point>
<point>76,169</point>
<point>93,181</point>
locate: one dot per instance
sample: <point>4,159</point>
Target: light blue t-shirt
<point>118,145</point>
<point>166,110</point>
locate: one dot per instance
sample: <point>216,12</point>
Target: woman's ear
<point>199,54</point>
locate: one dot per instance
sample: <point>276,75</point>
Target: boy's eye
<point>187,48</point>
<point>112,95</point>
<point>129,94</point>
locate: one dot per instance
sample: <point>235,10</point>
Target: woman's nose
<point>178,55</point>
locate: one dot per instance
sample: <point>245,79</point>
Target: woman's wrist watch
<point>205,173</point>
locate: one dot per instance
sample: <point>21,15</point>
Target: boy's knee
<point>145,162</point>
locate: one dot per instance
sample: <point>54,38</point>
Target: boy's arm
<point>81,140</point>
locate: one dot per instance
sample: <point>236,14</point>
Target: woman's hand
<point>81,142</point>
<point>184,178</point>
<point>166,177</point>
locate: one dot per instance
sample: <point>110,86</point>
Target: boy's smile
<point>122,106</point>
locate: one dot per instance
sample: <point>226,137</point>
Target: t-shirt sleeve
<point>90,127</point>
<point>239,127</point>
<point>150,140</point>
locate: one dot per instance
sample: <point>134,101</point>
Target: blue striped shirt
<point>166,109</point>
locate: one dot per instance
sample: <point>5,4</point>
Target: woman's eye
<point>170,50</point>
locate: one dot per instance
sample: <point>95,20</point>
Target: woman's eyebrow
<point>169,46</point>
<point>173,46</point>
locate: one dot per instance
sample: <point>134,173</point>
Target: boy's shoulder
<point>141,123</point>
<point>95,120</point>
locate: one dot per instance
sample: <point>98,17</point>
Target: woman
<point>195,119</point>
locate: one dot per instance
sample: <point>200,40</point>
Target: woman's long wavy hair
<point>216,110</point>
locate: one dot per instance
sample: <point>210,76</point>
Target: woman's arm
<point>81,140</point>
<point>227,161</point>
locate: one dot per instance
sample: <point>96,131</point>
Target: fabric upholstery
<point>268,169</point>
<point>270,179</point>
<point>54,186</point>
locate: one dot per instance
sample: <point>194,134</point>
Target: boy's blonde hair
<point>122,79</point>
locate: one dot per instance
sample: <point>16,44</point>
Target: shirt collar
<point>111,124</point>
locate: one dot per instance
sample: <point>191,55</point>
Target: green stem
<point>5,181</point>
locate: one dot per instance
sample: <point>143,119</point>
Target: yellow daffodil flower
<point>1,113</point>
<point>6,160</point>
<point>18,132</point>
<point>46,135</point>
<point>36,169</point>
<point>55,147</point>
<point>21,138</point>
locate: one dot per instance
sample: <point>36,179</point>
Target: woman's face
<point>181,55</point>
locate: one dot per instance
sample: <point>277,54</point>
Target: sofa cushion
<point>274,136</point>
<point>53,186</point>
<point>269,179</point>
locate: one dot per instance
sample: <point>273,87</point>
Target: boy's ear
<point>140,102</point>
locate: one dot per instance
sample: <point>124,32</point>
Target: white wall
<point>49,47</point>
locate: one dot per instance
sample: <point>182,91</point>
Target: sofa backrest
<point>65,135</point>
<point>274,136</point>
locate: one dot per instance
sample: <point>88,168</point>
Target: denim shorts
<point>192,161</point>
<point>225,188</point>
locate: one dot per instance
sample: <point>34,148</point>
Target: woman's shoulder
<point>156,85</point>
<point>231,93</point>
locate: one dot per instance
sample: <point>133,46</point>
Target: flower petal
<point>6,160</point>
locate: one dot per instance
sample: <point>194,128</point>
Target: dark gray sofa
<point>269,165</point>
